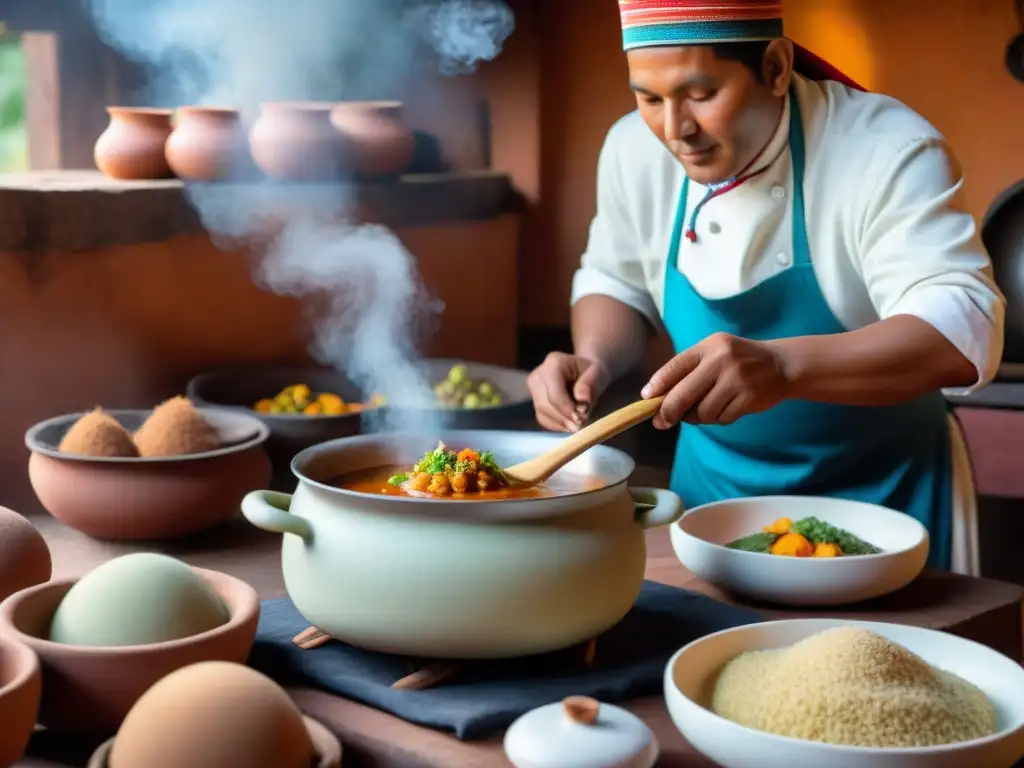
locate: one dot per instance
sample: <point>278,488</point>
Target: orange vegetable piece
<point>824,549</point>
<point>780,526</point>
<point>468,454</point>
<point>792,545</point>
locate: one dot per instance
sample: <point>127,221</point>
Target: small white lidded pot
<point>580,732</point>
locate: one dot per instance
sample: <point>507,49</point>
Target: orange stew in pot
<point>444,473</point>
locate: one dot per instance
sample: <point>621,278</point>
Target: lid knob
<point>581,709</point>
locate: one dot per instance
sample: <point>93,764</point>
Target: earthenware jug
<point>295,141</point>
<point>208,144</point>
<point>132,146</point>
<point>384,145</point>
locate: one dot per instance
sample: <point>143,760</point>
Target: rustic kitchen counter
<point>983,610</point>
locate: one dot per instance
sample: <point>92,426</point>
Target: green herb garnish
<point>819,532</point>
<point>445,461</point>
<point>398,479</point>
<point>755,542</point>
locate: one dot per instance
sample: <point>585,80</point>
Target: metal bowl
<point>515,411</point>
<point>240,387</point>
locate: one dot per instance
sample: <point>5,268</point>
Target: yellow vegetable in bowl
<point>300,399</point>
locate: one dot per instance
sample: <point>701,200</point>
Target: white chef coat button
<point>713,228</point>
<point>778,192</point>
<point>783,259</point>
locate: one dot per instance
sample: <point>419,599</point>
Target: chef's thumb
<point>588,386</point>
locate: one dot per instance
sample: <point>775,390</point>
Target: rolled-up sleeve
<point>921,255</point>
<point>611,265</point>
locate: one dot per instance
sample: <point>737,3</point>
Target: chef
<point>807,248</point>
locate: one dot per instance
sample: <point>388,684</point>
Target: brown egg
<point>175,428</point>
<point>213,715</point>
<point>98,434</point>
<point>24,557</point>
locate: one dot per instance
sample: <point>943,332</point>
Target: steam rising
<point>370,307</point>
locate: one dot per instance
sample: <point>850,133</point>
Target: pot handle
<point>269,510</point>
<point>656,506</point>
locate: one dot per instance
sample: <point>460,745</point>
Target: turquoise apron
<point>897,456</point>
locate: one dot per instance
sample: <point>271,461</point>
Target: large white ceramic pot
<point>461,579</point>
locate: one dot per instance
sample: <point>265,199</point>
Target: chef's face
<point>714,114</point>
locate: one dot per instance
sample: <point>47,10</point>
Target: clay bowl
<point>325,745</point>
<point>90,689</point>
<point>148,499</point>
<point>21,685</point>
<point>238,388</point>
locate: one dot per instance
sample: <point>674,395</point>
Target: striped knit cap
<point>647,23</point>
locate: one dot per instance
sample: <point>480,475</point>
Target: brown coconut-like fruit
<point>175,428</point>
<point>98,434</point>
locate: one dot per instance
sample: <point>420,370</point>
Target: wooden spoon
<point>539,469</point>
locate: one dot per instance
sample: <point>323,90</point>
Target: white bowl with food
<point>801,550</point>
<point>809,693</point>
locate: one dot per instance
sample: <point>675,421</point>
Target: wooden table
<point>986,611</point>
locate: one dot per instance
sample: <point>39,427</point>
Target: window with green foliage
<point>13,133</point>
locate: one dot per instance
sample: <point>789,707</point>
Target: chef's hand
<point>564,389</point>
<point>717,381</point>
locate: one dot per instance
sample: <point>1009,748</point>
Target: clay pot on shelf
<point>132,146</point>
<point>295,141</point>
<point>383,144</point>
<point>208,144</point>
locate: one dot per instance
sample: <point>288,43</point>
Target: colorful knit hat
<point>647,23</point>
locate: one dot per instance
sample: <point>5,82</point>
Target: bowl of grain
<point>801,550</point>
<point>809,693</point>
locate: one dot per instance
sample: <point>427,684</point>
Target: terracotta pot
<point>24,557</point>
<point>132,146</point>
<point>326,747</point>
<point>21,685</point>
<point>383,144</point>
<point>208,144</point>
<point>148,498</point>
<point>78,695</point>
<point>295,141</point>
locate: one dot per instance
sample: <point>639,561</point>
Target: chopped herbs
<point>819,532</point>
<point>398,479</point>
<point>755,542</point>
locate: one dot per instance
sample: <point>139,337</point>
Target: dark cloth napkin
<point>487,696</point>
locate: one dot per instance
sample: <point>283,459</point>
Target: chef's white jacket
<point>887,224</point>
